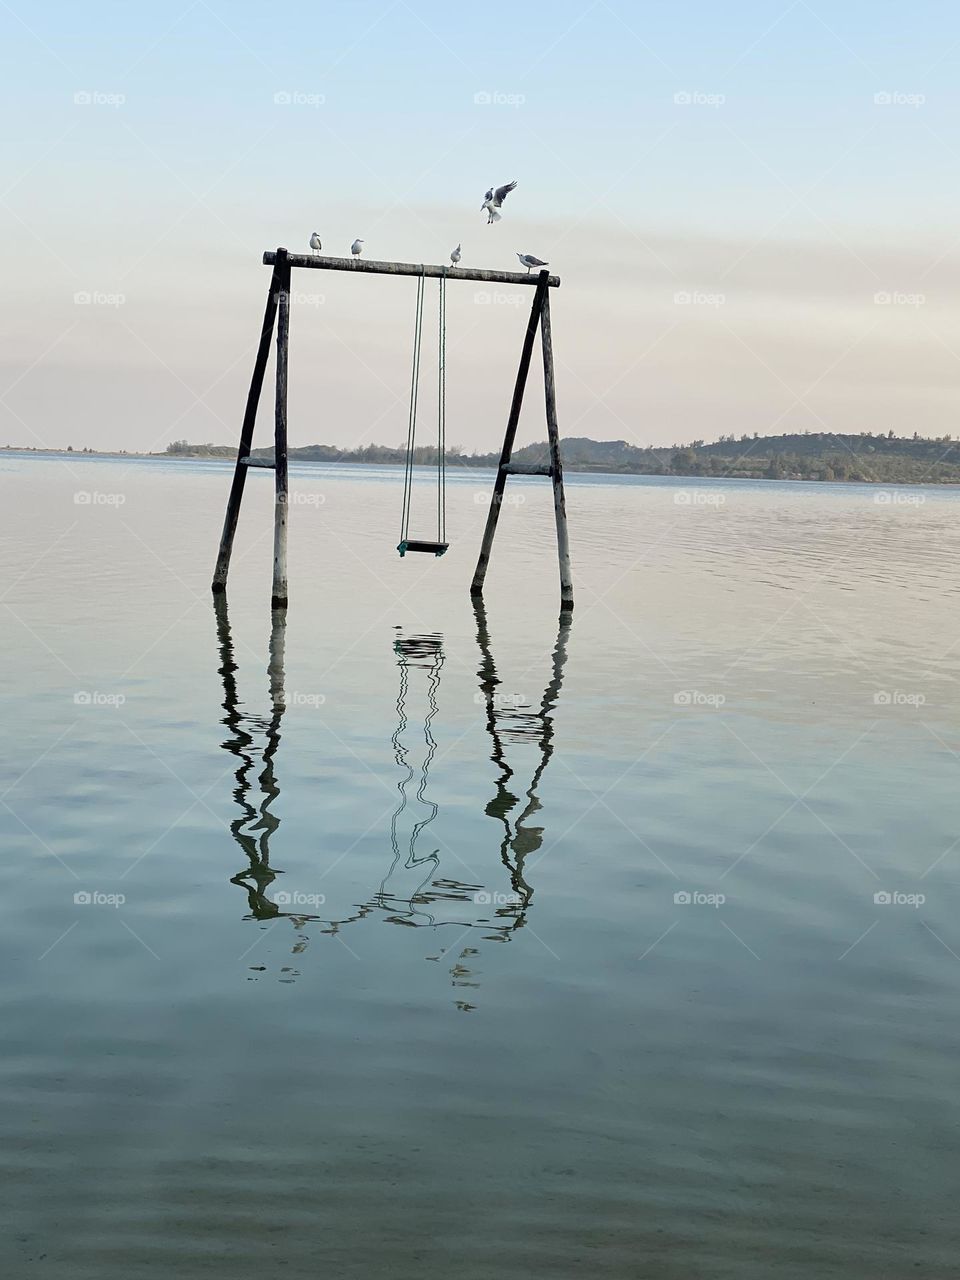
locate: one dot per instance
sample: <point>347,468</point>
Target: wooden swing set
<point>277,313</point>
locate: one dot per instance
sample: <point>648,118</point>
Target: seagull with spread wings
<point>494,199</point>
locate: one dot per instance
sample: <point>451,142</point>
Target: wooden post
<point>556,470</point>
<point>493,515</point>
<point>280,436</point>
<point>219,584</point>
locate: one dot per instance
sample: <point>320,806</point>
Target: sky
<point>752,207</point>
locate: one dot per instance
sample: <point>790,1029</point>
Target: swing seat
<point>429,548</point>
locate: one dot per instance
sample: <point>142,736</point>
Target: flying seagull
<point>356,248</point>
<point>494,199</point>
<point>455,256</point>
<point>529,261</point>
<point>315,244</point>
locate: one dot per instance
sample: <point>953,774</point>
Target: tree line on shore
<point>818,456</point>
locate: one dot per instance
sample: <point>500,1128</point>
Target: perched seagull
<point>356,249</point>
<point>315,244</point>
<point>529,261</point>
<point>494,199</point>
<point>455,256</point>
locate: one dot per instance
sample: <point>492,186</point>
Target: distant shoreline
<point>880,461</point>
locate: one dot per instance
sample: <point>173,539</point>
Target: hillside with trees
<point>818,456</point>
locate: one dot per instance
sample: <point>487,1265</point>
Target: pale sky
<point>752,207</point>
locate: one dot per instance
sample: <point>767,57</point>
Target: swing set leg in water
<point>277,316</point>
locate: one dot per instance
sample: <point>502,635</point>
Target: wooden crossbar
<point>370,267</point>
<point>527,469</point>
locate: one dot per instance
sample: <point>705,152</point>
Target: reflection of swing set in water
<point>510,723</point>
<point>416,656</point>
<point>256,824</point>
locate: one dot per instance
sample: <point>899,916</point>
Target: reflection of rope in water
<point>400,755</point>
<point>425,653</point>
<point>433,684</point>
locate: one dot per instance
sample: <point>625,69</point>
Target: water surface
<point>389,937</point>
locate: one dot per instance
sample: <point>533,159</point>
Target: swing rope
<point>442,412</point>
<point>412,420</point>
<point>406,543</point>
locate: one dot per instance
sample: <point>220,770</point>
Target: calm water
<point>387,967</point>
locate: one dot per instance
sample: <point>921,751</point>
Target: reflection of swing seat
<point>413,544</point>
